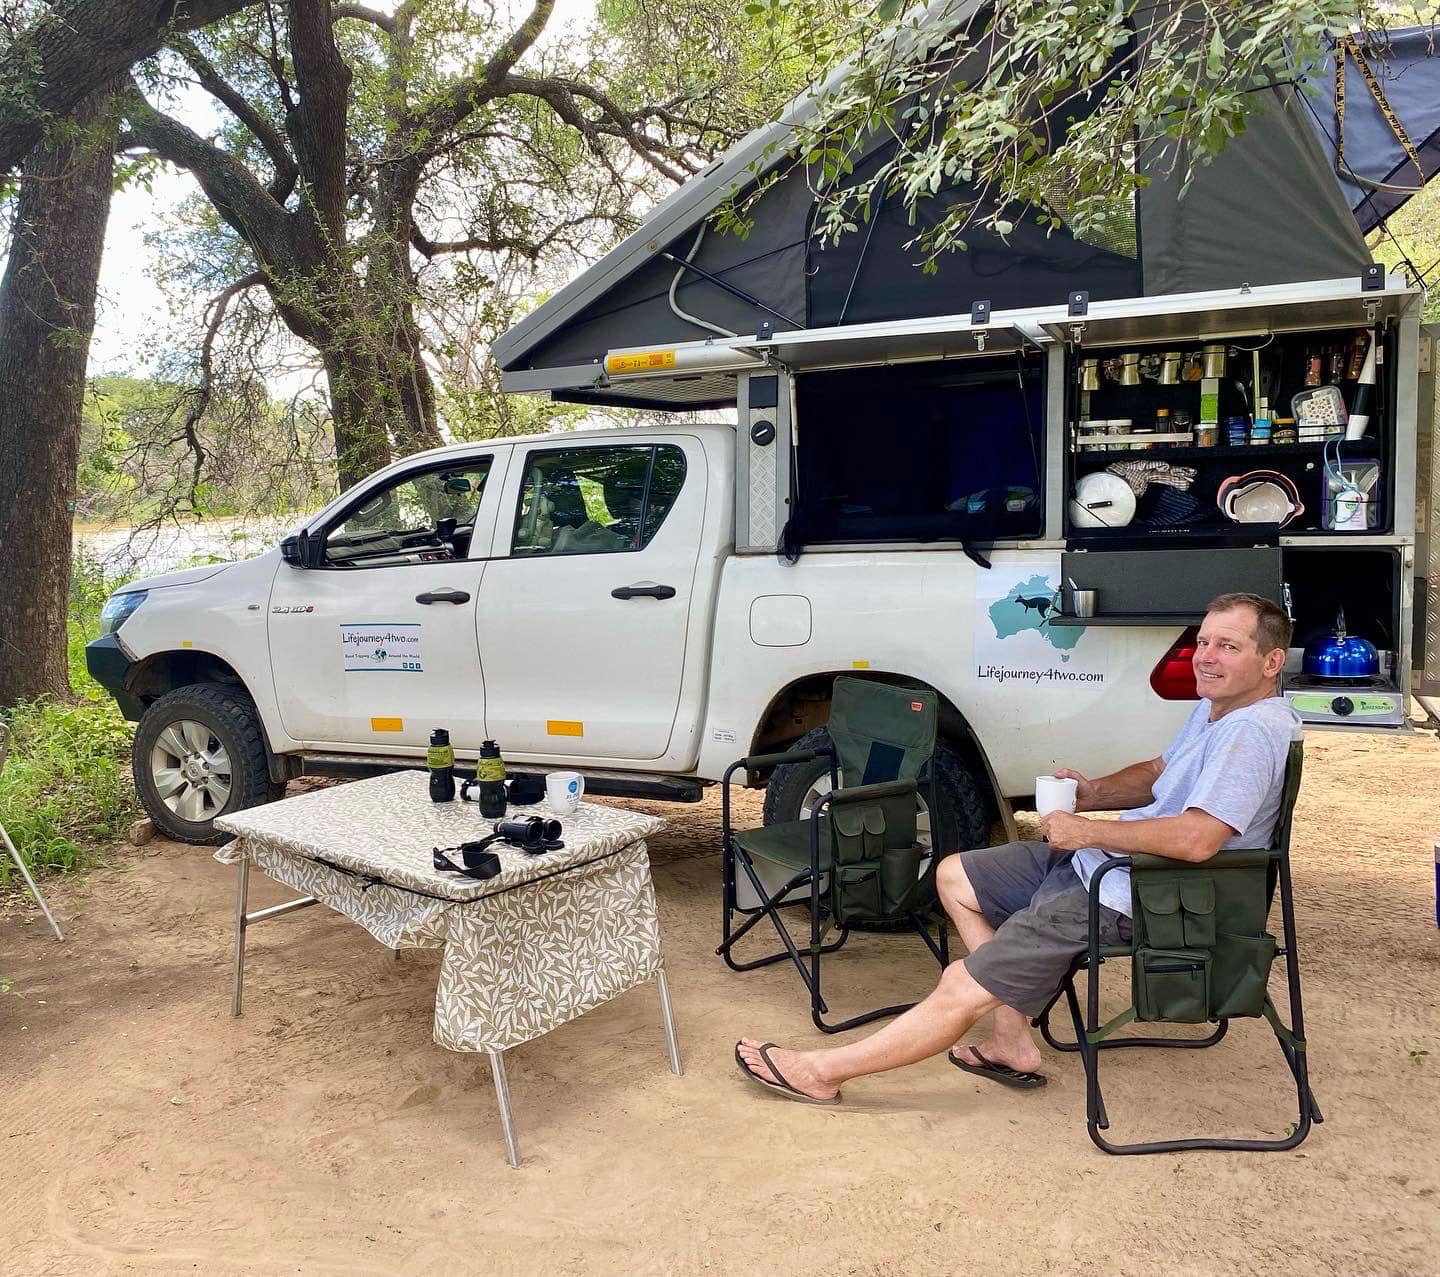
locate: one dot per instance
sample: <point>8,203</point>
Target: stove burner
<point>1317,683</point>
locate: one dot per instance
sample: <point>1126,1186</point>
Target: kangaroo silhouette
<point>1042,606</point>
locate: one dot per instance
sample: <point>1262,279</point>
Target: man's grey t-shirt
<point>1233,768</point>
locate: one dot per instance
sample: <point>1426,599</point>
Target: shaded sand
<point>144,1130</point>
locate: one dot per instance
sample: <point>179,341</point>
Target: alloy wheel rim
<point>190,770</point>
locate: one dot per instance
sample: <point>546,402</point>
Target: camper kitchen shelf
<point>1354,448</point>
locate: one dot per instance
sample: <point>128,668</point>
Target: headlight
<point>117,608</point>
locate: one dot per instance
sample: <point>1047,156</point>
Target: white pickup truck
<point>578,599</point>
<point>648,605</point>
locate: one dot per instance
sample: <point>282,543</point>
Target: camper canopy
<point>1268,211</point>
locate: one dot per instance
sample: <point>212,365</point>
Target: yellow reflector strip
<point>186,643</point>
<point>560,727</point>
<point>387,724</point>
<point>859,665</point>
<point>643,361</point>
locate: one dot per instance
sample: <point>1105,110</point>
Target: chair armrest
<point>872,793</point>
<point>757,761</point>
<point>1234,858</point>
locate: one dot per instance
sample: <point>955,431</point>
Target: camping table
<point>550,937</point>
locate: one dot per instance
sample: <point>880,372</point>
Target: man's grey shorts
<point>1032,897</point>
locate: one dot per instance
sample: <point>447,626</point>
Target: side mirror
<point>298,550</point>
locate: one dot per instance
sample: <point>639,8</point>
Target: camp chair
<point>15,855</point>
<point>1199,953</point>
<point>856,861</point>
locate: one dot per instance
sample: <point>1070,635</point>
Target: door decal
<point>385,645</point>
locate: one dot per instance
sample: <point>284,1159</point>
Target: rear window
<point>927,452</point>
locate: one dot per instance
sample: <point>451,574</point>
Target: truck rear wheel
<point>199,752</point>
<point>964,816</point>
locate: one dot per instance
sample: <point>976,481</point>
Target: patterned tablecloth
<point>549,938</point>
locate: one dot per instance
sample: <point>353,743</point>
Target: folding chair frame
<point>772,903</point>
<point>1091,1037</point>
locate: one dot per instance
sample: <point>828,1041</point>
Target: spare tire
<point>964,815</point>
<point>199,752</point>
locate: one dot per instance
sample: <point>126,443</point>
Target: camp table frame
<point>550,937</point>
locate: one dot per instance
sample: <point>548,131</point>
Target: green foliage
<point>1037,109</point>
<point>66,789</point>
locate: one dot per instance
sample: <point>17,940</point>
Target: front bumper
<point>110,665</point>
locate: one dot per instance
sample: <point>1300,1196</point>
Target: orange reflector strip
<point>387,724</point>
<point>560,727</point>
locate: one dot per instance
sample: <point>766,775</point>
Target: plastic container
<point>490,780</point>
<point>440,758</point>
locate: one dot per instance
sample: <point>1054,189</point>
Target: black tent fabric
<point>1386,117</point>
<point>1270,210</point>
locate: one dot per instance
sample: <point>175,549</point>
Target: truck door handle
<point>643,590</point>
<point>443,596</point>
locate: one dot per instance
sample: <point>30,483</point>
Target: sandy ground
<point>145,1130</point>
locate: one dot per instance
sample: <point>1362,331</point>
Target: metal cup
<point>1082,603</point>
<point>1130,370</point>
<point>1089,374</point>
<point>1215,360</point>
<point>1170,368</point>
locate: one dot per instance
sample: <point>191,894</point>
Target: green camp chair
<point>1199,954</point>
<point>856,862</point>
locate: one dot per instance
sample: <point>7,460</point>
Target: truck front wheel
<point>964,817</point>
<point>200,752</point>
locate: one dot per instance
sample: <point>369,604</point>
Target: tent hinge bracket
<point>1077,334</point>
<point>1372,313</point>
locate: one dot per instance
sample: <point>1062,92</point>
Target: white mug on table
<point>564,790</point>
<point>1055,793</point>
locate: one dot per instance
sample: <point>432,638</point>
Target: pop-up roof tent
<point>1269,211</point>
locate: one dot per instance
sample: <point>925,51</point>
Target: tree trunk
<point>47,315</point>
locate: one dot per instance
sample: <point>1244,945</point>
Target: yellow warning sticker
<point>387,724</point>
<point>641,361</point>
<point>859,665</point>
<point>563,727</point>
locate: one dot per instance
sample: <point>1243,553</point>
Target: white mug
<point>564,790</point>
<point>1055,793</point>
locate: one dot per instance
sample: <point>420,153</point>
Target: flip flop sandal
<point>1001,1073</point>
<point>780,1086</point>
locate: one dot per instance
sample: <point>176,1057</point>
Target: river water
<point>127,552</point>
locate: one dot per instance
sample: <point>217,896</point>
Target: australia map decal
<point>1029,606</point>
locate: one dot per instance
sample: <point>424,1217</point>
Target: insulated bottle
<point>490,780</point>
<point>441,758</point>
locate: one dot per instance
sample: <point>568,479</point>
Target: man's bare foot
<point>1013,1055</point>
<point>798,1067</point>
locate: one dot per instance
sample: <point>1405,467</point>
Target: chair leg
<point>30,882</point>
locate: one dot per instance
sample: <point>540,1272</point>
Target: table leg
<point>672,1039</point>
<point>242,890</point>
<point>502,1096</point>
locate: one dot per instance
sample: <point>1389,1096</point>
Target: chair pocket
<point>1160,907</point>
<point>1241,974</point>
<point>857,893</point>
<point>859,832</point>
<point>1197,909</point>
<point>1172,984</point>
<point>900,878</point>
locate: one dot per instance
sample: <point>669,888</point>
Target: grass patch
<point>66,789</point>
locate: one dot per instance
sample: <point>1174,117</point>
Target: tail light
<point>1173,677</point>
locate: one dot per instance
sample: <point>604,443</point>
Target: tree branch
<point>237,196</point>
<point>465,96</point>
<point>286,170</point>
<point>76,46</point>
<point>363,13</point>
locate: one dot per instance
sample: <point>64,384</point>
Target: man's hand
<point>1066,832</point>
<point>1084,789</point>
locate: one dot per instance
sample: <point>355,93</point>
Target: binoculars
<point>529,833</point>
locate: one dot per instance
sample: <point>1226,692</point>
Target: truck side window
<point>605,500</point>
<point>420,518</point>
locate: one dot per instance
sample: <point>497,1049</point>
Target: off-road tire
<point>233,719</point>
<point>964,815</point>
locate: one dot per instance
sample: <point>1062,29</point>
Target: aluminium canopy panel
<point>1332,303</point>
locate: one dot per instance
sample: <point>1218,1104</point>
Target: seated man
<point>1022,909</point>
